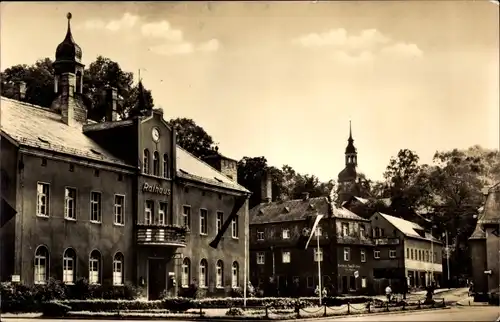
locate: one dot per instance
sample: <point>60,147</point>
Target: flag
<point>308,231</point>
<point>238,203</point>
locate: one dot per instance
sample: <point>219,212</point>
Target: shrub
<point>55,309</point>
<point>191,292</point>
<point>235,311</point>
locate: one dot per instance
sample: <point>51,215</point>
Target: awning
<point>7,212</point>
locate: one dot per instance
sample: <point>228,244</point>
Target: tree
<point>192,137</point>
<point>39,79</point>
<point>250,175</point>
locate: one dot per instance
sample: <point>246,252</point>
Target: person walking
<point>388,292</point>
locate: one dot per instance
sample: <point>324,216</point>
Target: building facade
<point>404,253</point>
<point>485,246</point>
<point>114,201</point>
<point>344,247</point>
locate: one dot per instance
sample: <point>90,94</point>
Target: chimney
<point>266,192</point>
<point>305,196</point>
<point>20,90</point>
<point>111,104</point>
<point>67,98</point>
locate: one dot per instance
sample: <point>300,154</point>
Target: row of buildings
<point>118,201</point>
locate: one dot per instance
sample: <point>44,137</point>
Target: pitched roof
<point>297,209</point>
<point>408,228</point>
<point>491,213</point>
<point>41,128</point>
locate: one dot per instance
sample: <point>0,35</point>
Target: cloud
<point>161,29</point>
<point>169,40</point>
<point>361,47</point>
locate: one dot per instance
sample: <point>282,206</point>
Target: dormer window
<point>156,163</point>
<point>165,166</point>
<point>145,162</point>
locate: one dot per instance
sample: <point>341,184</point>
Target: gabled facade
<point>113,202</point>
<point>485,246</point>
<point>404,253</point>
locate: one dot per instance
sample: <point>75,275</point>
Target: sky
<point>283,79</point>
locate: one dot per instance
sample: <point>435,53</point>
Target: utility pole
<point>447,256</point>
<point>319,265</point>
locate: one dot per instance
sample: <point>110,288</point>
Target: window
<point>203,222</point>
<point>310,282</point>
<point>347,254</point>
<point>156,163</point>
<point>286,233</point>
<point>382,233</point>
<point>235,276</point>
<point>186,216</point>
<point>43,194</point>
<point>363,256</point>
<point>352,282</point>
<point>162,214</point>
<point>407,252</point>
<point>260,258</point>
<point>318,254</point>
<point>345,229</point>
<point>435,257</point>
<point>165,166</point>
<point>95,207</point>
<point>69,259</point>
<point>376,254</point>
<point>392,253</point>
<point>234,227</point>
<point>219,220</point>
<point>220,274</point>
<point>362,231</point>
<point>377,232</point>
<point>419,255</point>
<point>148,212</point>
<point>363,282</point>
<point>260,235</point>
<point>41,265</point>
<point>411,253</point>
<point>203,273</point>
<point>145,162</point>
<point>94,267</point>
<point>118,269</point>
<point>70,203</point>
<point>285,256</point>
<point>427,256</point>
<point>119,210</point>
<point>186,272</point>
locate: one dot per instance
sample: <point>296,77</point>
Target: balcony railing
<point>156,235</point>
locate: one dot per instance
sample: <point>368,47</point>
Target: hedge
<point>180,304</point>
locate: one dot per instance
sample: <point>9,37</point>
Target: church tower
<point>68,80</point>
<point>347,178</point>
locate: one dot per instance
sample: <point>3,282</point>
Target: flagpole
<point>319,264</point>
<point>246,259</point>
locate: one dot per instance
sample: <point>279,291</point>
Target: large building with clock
<point>115,201</point>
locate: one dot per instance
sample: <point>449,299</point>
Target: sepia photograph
<point>250,160</point>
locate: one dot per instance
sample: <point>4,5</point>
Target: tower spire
<point>350,131</point>
<point>69,36</point>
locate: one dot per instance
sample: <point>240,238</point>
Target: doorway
<point>345,286</point>
<point>157,278</point>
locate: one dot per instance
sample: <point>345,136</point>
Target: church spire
<point>350,151</point>
<point>350,131</point>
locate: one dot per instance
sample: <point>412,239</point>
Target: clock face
<point>156,134</point>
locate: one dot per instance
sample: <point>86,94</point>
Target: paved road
<point>473,313</point>
<point>477,313</point>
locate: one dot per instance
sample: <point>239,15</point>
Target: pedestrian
<point>316,291</point>
<point>388,292</point>
<point>325,292</point>
<point>471,289</point>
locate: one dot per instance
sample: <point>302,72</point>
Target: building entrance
<point>157,278</point>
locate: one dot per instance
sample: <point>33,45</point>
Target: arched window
<point>145,161</point>
<point>95,267</point>
<point>69,266</point>
<point>41,265</point>
<point>156,163</point>
<point>186,272</point>
<point>165,166</point>
<point>235,276</point>
<point>203,273</point>
<point>220,274</point>
<point>118,269</point>
<point>78,82</point>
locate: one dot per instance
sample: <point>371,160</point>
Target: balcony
<point>386,241</point>
<point>156,235</point>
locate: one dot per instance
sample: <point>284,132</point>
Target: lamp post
<point>319,265</point>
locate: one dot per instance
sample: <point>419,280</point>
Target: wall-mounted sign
<point>16,278</point>
<point>155,189</point>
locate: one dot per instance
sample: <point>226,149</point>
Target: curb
<point>228,319</point>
